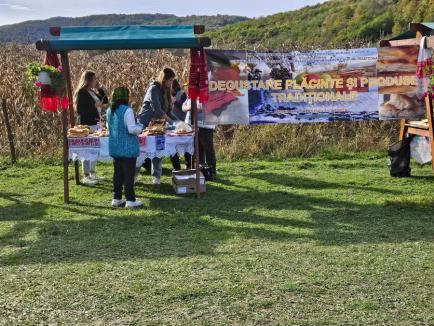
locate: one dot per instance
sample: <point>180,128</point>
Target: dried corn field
<point>37,134</point>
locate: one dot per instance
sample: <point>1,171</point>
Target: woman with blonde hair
<point>90,99</point>
<point>157,104</point>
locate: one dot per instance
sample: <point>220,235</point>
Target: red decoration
<point>49,99</point>
<point>51,59</point>
<point>217,100</point>
<point>198,81</point>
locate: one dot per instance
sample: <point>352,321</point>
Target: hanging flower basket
<point>44,78</point>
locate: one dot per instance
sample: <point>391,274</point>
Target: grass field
<point>331,240</point>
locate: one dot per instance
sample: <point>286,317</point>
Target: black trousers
<point>123,178</point>
<point>175,162</point>
<point>147,165</point>
<point>188,161</point>
<point>206,148</point>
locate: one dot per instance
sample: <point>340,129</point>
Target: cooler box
<point>184,182</point>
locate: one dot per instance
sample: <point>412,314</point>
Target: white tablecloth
<point>97,149</point>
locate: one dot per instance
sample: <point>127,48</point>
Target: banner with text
<point>249,87</point>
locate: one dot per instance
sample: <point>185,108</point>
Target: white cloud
<point>11,6</point>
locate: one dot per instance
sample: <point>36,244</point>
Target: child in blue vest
<point>123,147</point>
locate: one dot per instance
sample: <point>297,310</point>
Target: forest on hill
<point>30,31</point>
<point>335,23</point>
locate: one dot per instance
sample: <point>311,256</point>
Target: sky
<point>13,11</point>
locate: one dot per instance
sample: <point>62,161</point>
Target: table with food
<point>159,139</point>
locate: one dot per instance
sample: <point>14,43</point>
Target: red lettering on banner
<point>142,141</point>
<point>83,142</point>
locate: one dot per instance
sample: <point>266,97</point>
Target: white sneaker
<point>156,181</point>
<point>88,181</point>
<point>94,176</point>
<point>134,204</point>
<point>118,202</point>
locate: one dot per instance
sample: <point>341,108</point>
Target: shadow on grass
<point>20,209</point>
<point>306,183</point>
<point>179,227</point>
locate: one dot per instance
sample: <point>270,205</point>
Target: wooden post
<point>9,131</point>
<point>196,146</point>
<point>65,64</point>
<point>67,72</point>
<point>402,130</point>
<point>64,116</point>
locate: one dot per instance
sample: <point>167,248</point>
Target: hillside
<point>30,31</point>
<point>333,23</point>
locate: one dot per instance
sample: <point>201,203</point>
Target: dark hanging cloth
<point>51,59</point>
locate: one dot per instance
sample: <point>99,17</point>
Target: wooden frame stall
<point>118,38</point>
<point>417,31</point>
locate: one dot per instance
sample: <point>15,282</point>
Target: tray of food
<point>156,127</point>
<point>155,130</point>
<point>79,131</point>
<point>101,133</point>
<point>183,128</point>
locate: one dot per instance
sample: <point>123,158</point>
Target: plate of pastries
<point>156,127</point>
<point>183,128</point>
<point>79,131</point>
<point>101,133</point>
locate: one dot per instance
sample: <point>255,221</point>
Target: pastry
<point>79,131</point>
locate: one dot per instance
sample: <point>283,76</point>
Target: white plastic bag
<point>421,150</point>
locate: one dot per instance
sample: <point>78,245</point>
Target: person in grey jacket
<point>157,104</point>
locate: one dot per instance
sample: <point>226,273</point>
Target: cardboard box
<point>184,182</point>
<point>187,177</point>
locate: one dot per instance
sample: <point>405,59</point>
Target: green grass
<point>331,240</point>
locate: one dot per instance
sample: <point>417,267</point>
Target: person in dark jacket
<point>179,97</point>
<point>157,104</point>
<point>207,153</point>
<point>90,100</point>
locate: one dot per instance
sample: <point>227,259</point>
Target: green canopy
<point>409,35</point>
<point>122,38</point>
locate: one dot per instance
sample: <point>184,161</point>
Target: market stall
<point>66,39</point>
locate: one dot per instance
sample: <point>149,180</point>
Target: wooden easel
<point>410,127</point>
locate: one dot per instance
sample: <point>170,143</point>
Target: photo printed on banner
<point>315,86</point>
<point>226,105</point>
<point>396,75</point>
